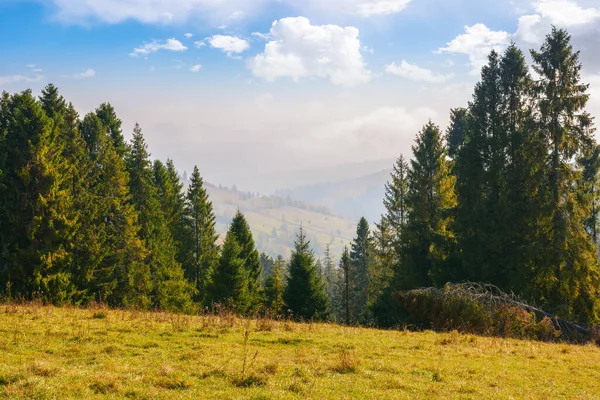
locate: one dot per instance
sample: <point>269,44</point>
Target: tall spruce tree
<point>201,251</point>
<point>384,261</point>
<point>36,209</point>
<point>568,280</point>
<point>229,283</point>
<point>361,261</point>
<point>170,289</point>
<point>305,295</point>
<point>345,268</point>
<point>108,250</point>
<point>430,201</point>
<point>395,201</point>
<point>241,230</point>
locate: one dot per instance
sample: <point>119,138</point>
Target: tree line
<point>87,217</point>
<point>507,195</point>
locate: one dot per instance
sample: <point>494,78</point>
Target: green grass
<point>48,353</point>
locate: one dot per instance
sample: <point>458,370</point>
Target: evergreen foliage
<point>200,251</point>
<point>304,295</point>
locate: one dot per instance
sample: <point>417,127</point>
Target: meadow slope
<point>63,353</point>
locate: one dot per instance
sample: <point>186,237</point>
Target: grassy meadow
<point>62,353</point>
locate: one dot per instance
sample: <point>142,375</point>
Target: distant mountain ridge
<point>353,198</point>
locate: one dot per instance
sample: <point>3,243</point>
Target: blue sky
<point>276,84</point>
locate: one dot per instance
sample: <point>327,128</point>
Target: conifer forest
<point>507,195</point>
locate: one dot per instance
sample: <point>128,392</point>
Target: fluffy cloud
<point>477,42</point>
<point>149,11</point>
<point>297,49</point>
<point>561,13</point>
<point>416,73</point>
<point>188,35</point>
<point>229,44</point>
<point>153,47</point>
<point>196,68</point>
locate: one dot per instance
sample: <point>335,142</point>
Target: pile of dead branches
<point>485,309</point>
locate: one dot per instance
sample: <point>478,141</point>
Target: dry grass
<point>73,353</point>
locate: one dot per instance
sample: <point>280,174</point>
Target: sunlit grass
<point>48,352</point>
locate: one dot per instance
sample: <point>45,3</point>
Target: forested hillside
<point>506,196</point>
<point>275,220</point>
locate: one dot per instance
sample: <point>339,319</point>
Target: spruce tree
<point>455,135</point>
<point>112,124</point>
<point>304,294</point>
<point>361,254</point>
<point>170,289</point>
<point>384,261</point>
<point>274,288</point>
<point>430,201</point>
<point>241,230</point>
<point>109,251</point>
<point>396,194</point>
<point>36,209</point>
<point>201,251</point>
<point>229,283</point>
<point>345,267</point>
<point>568,280</point>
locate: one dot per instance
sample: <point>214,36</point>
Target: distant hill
<point>275,220</point>
<point>352,198</point>
<point>275,182</point>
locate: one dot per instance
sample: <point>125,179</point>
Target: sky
<point>248,88</point>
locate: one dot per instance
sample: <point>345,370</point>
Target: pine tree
<point>201,251</point>
<point>250,255</point>
<point>274,288</point>
<point>569,280</point>
<point>304,295</point>
<point>170,289</point>
<point>430,201</point>
<point>229,284</point>
<point>361,265</point>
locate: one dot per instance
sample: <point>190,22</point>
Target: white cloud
<point>4,80</point>
<point>200,43</point>
<point>188,35</point>
<point>149,48</point>
<point>298,50</point>
<point>477,42</point>
<point>196,68</point>
<point>561,13</point>
<point>416,73</point>
<point>89,73</point>
<point>381,7</point>
<point>566,13</point>
<point>229,44</point>
<point>263,36</point>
